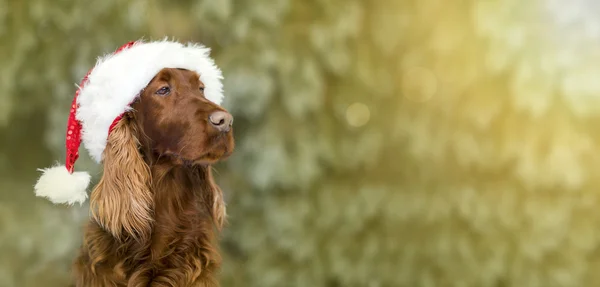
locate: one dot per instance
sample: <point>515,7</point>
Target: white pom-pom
<point>62,187</point>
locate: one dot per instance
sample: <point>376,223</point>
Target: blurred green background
<point>379,143</point>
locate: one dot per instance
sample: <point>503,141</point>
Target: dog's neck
<point>182,197</point>
<point>180,190</point>
<point>185,196</point>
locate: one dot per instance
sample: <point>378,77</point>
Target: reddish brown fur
<point>156,212</point>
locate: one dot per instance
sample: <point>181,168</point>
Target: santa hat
<point>106,93</point>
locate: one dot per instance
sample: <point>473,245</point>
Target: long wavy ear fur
<point>215,201</point>
<point>122,202</point>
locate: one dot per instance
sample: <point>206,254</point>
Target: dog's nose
<point>222,121</point>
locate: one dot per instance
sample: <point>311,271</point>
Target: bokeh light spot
<point>358,114</point>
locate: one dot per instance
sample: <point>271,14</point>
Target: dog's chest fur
<point>182,223</point>
<point>181,250</point>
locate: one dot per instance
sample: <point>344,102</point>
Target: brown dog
<point>156,211</point>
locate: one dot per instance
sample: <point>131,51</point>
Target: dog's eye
<point>202,89</point>
<point>163,91</point>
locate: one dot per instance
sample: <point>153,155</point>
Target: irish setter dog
<point>156,212</point>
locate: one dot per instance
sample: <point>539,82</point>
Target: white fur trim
<point>117,79</point>
<point>59,186</point>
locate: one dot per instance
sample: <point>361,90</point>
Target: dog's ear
<point>213,196</point>
<point>122,202</point>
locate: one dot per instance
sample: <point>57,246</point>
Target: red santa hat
<point>106,93</point>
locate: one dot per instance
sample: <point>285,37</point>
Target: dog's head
<point>176,121</point>
<point>170,123</point>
